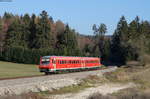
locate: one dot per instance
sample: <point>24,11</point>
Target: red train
<point>64,63</point>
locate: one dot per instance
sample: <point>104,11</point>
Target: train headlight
<point>43,60</point>
<point>47,59</point>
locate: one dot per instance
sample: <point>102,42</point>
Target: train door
<point>83,63</point>
<point>54,63</point>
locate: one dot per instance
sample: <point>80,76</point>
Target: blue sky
<point>82,14</point>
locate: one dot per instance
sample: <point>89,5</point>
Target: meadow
<point>11,70</point>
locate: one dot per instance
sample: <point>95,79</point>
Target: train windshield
<point>45,61</point>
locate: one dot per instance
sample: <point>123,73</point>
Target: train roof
<point>67,57</point>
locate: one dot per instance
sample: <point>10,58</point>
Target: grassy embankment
<point>11,70</point>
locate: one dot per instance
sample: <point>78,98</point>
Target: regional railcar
<point>63,63</point>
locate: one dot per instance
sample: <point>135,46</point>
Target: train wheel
<point>46,73</point>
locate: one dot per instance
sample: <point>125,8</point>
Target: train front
<point>45,64</point>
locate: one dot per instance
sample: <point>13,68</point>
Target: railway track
<point>43,82</point>
<point>52,74</point>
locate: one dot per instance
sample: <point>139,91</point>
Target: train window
<point>64,61</point>
<point>45,61</point>
<point>53,61</point>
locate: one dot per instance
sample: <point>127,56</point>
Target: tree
<point>67,42</point>
<point>1,39</point>
<point>102,30</point>
<point>94,28</point>
<point>134,30</point>
<point>14,34</point>
<point>26,30</point>
<point>99,36</point>
<point>144,38</point>
<point>43,32</point>
<point>119,39</point>
<point>33,31</point>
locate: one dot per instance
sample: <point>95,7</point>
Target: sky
<point>82,14</point>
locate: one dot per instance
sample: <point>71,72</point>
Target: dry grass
<point>139,75</point>
<point>24,96</point>
<point>130,94</point>
<point>146,59</point>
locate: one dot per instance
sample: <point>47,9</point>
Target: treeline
<point>25,38</point>
<point>130,41</point>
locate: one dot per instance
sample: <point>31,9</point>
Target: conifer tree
<point>14,34</point>
<point>1,39</point>
<point>99,33</point>
<point>43,32</point>
<point>119,42</point>
<point>32,31</point>
<point>26,30</point>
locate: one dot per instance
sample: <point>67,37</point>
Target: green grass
<point>9,70</point>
